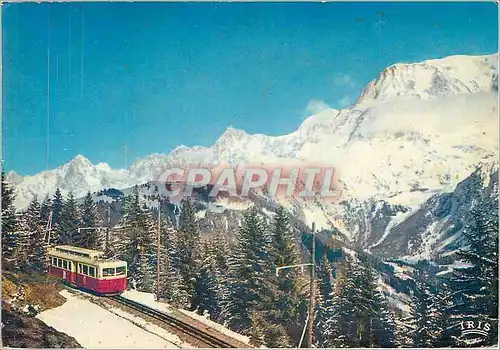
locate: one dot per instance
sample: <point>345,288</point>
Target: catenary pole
<point>311,292</point>
<point>158,253</point>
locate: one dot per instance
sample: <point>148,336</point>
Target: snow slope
<point>94,327</point>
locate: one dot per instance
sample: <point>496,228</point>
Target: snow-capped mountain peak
<point>230,136</point>
<point>13,177</point>
<point>433,78</point>
<point>78,163</point>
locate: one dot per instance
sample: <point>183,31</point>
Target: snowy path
<point>148,299</point>
<point>95,327</point>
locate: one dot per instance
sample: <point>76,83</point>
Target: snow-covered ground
<point>218,327</point>
<point>148,299</point>
<point>95,327</point>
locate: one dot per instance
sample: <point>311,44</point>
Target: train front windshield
<point>111,271</point>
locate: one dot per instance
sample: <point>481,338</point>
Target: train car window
<point>91,271</point>
<point>54,261</point>
<point>120,270</point>
<point>69,265</point>
<point>59,263</point>
<point>110,271</point>
<point>79,268</point>
<point>65,264</point>
<point>85,270</point>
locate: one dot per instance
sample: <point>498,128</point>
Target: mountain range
<point>416,141</point>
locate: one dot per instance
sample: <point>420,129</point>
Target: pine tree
<point>219,249</point>
<point>69,222</point>
<point>250,274</point>
<point>324,304</point>
<point>206,293</point>
<point>188,238</point>
<point>10,226</point>
<point>170,284</point>
<point>211,287</point>
<point>385,326</point>
<point>403,331</point>
<point>45,210</point>
<point>476,287</point>
<point>425,308</point>
<point>276,336</point>
<point>144,275</point>
<point>283,252</point>
<point>340,322</point>
<point>23,244</point>
<point>90,237</point>
<point>257,329</point>
<point>373,329</point>
<point>135,242</point>
<point>35,245</point>
<point>57,216</point>
<point>359,316</point>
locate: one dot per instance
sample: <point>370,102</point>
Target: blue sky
<point>131,79</point>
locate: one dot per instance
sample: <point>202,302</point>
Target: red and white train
<point>88,269</point>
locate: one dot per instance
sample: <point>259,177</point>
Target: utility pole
<point>311,292</point>
<point>158,253</point>
<point>49,227</point>
<point>306,324</point>
<point>106,242</point>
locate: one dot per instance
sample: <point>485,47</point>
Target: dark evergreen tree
<point>324,304</point>
<point>69,222</point>
<point>475,296</point>
<point>250,274</point>
<point>219,249</point>
<point>23,244</point>
<point>144,275</point>
<point>35,245</point>
<point>57,215</point>
<point>211,287</point>
<point>90,237</point>
<point>170,281</point>
<point>403,331</point>
<point>276,336</point>
<point>426,311</point>
<point>135,241</point>
<point>257,329</point>
<point>206,293</point>
<point>45,210</point>
<point>360,316</point>
<point>10,227</point>
<point>188,239</point>
<point>339,322</point>
<point>385,325</point>
<point>284,252</point>
<point>373,328</point>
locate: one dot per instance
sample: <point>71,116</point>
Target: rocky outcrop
<point>19,331</point>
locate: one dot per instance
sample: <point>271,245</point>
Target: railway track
<point>182,326</point>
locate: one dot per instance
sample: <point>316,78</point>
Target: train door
<point>72,270</point>
<point>65,272</point>
<point>80,278</point>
